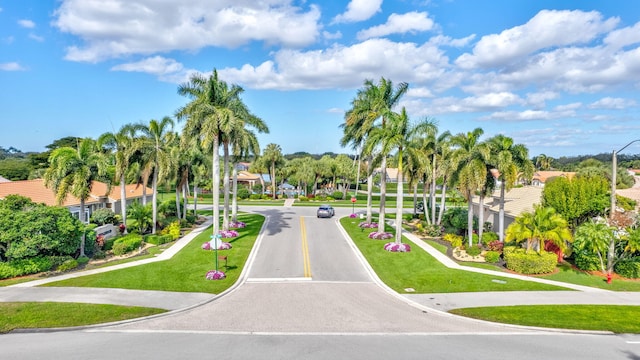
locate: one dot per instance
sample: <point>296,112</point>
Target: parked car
<point>325,211</point>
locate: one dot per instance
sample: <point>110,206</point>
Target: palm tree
<point>372,103</point>
<point>273,157</point>
<point>511,160</point>
<point>543,162</point>
<point>73,171</point>
<point>258,166</point>
<point>245,144</point>
<point>540,225</point>
<point>209,114</point>
<point>156,147</point>
<point>122,143</point>
<point>471,156</point>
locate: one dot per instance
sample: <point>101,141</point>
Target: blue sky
<point>560,76</point>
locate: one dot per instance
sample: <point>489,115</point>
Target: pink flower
<point>228,233</point>
<point>380,235</point>
<point>237,224</point>
<point>215,275</point>
<point>353,216</point>
<point>206,246</point>
<point>367,225</point>
<point>395,247</point>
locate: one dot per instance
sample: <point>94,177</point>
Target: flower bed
<point>228,233</point>
<point>237,224</point>
<point>223,246</point>
<point>215,275</point>
<point>366,225</point>
<point>395,247</point>
<point>380,235</point>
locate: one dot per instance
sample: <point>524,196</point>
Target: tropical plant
<point>577,199</point>
<point>272,155</point>
<point>543,224</point>
<point>141,216</point>
<point>73,171</point>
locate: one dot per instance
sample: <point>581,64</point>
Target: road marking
<point>305,250</point>
<point>277,280</point>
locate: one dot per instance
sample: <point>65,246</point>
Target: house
<point>247,178</point>
<point>242,166</point>
<point>392,174</point>
<point>541,177</point>
<point>100,196</point>
<point>516,201</point>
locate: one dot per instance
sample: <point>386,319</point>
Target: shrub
<point>243,193</point>
<point>495,245</point>
<point>431,230</point>
<point>166,239</point>
<point>68,265</point>
<point>108,244</point>
<point>266,197</point>
<point>474,250</point>
<point>82,260</point>
<point>629,268</point>
<point>337,195</point>
<point>126,243</point>
<point>152,239</point>
<point>488,237</point>
<point>303,198</point>
<point>173,229</point>
<point>103,216</point>
<point>531,262</point>
<point>24,267</point>
<point>455,240</point>
<point>586,261</point>
<point>255,197</point>
<point>492,256</point>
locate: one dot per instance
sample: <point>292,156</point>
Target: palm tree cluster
<point>215,117</point>
<point>378,131</point>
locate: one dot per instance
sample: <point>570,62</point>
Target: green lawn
<point>613,318</point>
<point>420,271</point>
<point>183,272</point>
<point>17,315</point>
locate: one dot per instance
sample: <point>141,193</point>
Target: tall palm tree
<point>372,103</point>
<point>272,155</point>
<point>156,143</point>
<point>245,144</point>
<point>73,171</point>
<point>471,156</point>
<point>209,114</point>
<point>511,160</point>
<point>122,144</point>
<point>260,167</point>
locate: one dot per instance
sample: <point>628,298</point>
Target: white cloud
<point>120,27</point>
<point>568,107</point>
<point>345,67</point>
<point>27,24</point>
<point>359,10</point>
<point>36,37</point>
<point>612,103</point>
<point>411,22</point>
<point>538,99</point>
<point>623,37</point>
<point>331,36</point>
<point>11,66</point>
<point>165,69</point>
<point>547,29</point>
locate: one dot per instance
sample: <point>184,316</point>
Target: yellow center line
<point>305,249</point>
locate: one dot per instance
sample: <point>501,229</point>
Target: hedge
<point>126,243</point>
<point>530,263</point>
<point>24,267</point>
<point>586,261</point>
<point>492,256</point>
<point>629,268</point>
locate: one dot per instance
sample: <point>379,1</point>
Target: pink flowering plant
<point>215,275</point>
<point>237,224</point>
<point>395,247</point>
<point>380,235</point>
<point>223,246</point>
<point>353,216</point>
<point>366,225</point>
<point>228,233</point>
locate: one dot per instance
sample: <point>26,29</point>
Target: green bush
<point>629,268</point>
<point>474,250</point>
<point>337,195</point>
<point>68,265</point>
<point>24,267</point>
<point>488,237</point>
<point>492,256</point>
<point>152,239</point>
<point>455,240</point>
<point>586,261</point>
<point>173,229</point>
<point>431,230</point>
<point>126,243</point>
<point>255,197</point>
<point>83,260</point>
<point>108,244</point>
<point>243,193</point>
<point>166,239</point>
<point>303,198</point>
<point>530,263</point>
<point>103,216</point>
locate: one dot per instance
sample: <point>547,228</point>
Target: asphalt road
<point>308,295</point>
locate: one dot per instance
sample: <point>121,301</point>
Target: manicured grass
<point>29,315</point>
<point>420,271</point>
<point>186,270</point>
<point>614,318</point>
<point>568,274</point>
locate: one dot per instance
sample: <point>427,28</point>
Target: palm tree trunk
<point>480,218</point>
<point>274,187</point>
<point>425,209</point>
<point>443,199</point>
<point>399,200</point>
<point>432,192</point>
<point>383,191</point>
<point>123,201</point>
<point>84,224</point>
<point>501,213</point>
<point>234,204</point>
<point>178,212</point>
<point>225,219</point>
<point>154,204</point>
<point>215,186</point>
<point>415,199</point>
<point>470,217</point>
<point>185,190</point>
<point>369,192</point>
<point>195,201</point>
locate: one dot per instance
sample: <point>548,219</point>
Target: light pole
<point>614,166</point>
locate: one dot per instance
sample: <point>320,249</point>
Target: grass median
<point>186,270</point>
<point>421,272</point>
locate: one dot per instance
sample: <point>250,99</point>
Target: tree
<point>272,155</point>
<point>156,148</point>
<point>543,162</point>
<point>543,224</point>
<point>606,242</point>
<point>372,103</point>
<point>511,160</point>
<point>73,171</point>
<point>577,199</point>
<point>122,145</point>
<point>471,156</point>
<point>141,216</point>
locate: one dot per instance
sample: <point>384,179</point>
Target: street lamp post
<point>614,167</point>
